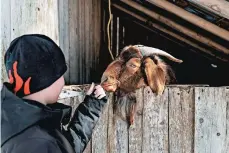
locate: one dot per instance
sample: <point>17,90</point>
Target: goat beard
<point>125,105</point>
<point>125,102</point>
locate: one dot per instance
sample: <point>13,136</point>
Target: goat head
<point>137,66</point>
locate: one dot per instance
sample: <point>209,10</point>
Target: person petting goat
<point>32,121</point>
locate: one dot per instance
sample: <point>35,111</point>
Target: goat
<point>137,66</point>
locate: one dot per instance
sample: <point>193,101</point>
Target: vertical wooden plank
<point>82,40</point>
<point>63,9</point>
<point>90,54</point>
<point>100,135</point>
<point>34,17</point>
<point>5,35</point>
<point>155,122</point>
<point>121,136</point>
<point>111,125</point>
<point>114,34</point>
<point>226,146</point>
<point>92,35</point>
<point>87,51</point>
<point>121,45</point>
<point>98,29</point>
<point>73,41</point>
<point>118,25</point>
<point>25,17</point>
<point>135,131</point>
<point>210,119</point>
<point>181,119</point>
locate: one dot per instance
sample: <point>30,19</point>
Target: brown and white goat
<point>137,66</point>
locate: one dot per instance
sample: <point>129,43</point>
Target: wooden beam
<point>169,32</point>
<point>219,7</point>
<point>208,26</point>
<point>180,28</point>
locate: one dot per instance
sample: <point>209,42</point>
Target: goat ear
<point>156,75</point>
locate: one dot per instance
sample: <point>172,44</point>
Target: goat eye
<point>132,65</point>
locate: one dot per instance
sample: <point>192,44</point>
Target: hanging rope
<point>108,29</point>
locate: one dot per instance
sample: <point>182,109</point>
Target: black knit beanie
<point>33,62</point>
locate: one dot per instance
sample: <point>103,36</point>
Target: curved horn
<point>152,51</point>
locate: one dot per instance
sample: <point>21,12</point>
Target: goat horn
<point>146,51</point>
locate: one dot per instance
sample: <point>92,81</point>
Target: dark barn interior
<point>203,63</point>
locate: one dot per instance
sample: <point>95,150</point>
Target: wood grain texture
<point>121,136</point>
<point>210,119</point>
<point>73,47</point>
<point>165,123</point>
<point>226,145</point>
<point>80,39</point>
<point>21,17</point>
<point>181,119</point>
<point>136,130</point>
<point>34,17</point>
<point>63,8</point>
<point>219,7</point>
<point>5,35</point>
<point>155,122</point>
<point>99,136</point>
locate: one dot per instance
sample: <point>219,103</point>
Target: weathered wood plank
<point>87,51</point>
<point>100,135</point>
<point>121,136</point>
<point>226,146</point>
<point>155,131</point>
<point>63,8</point>
<point>181,120</point>
<point>155,122</point>
<point>25,17</point>
<point>210,119</point>
<point>135,131</point>
<point>5,35</point>
<point>111,128</point>
<point>219,7</point>
<point>81,40</point>
<point>34,17</point>
<point>74,66</point>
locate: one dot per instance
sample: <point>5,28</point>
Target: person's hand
<point>98,91</point>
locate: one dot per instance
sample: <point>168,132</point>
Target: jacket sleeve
<point>80,128</point>
<point>36,146</point>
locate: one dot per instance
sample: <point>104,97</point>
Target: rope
<point>108,32</point>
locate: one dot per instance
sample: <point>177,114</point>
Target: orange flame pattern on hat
<point>18,80</point>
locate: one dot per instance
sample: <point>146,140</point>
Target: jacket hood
<point>19,114</point>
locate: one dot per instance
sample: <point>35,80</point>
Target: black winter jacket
<point>30,127</point>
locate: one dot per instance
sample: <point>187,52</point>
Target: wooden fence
<point>185,119</point>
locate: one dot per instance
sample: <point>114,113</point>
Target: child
<point>32,120</point>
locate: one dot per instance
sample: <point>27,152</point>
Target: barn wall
<point>72,24</point>
<point>184,119</point>
<point>23,17</point>
<point>79,29</point>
